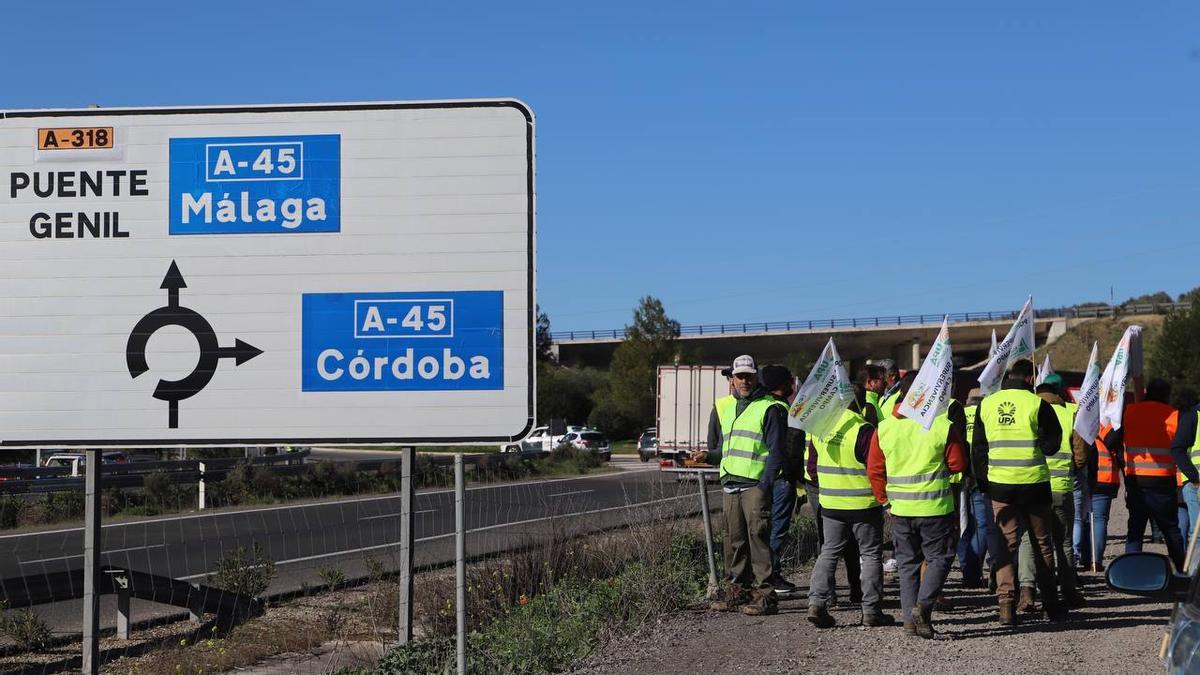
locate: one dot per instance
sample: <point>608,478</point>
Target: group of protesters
<point>1002,479</point>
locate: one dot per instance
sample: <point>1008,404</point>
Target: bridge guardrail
<point>1091,312</point>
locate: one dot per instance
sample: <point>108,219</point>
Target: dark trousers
<point>747,535</point>
<point>850,554</point>
<point>930,540</point>
<point>783,504</point>
<point>1156,506</point>
<point>1036,518</point>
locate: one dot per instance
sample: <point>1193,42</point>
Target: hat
<point>1053,379</point>
<point>744,364</point>
<point>774,377</point>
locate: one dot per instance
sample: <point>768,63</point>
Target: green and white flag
<point>1017,345</point>
<point>930,392</point>
<point>1087,419</point>
<point>1112,382</point>
<point>1045,371</point>
<point>824,395</point>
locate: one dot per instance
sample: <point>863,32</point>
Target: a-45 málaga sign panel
<point>274,274</point>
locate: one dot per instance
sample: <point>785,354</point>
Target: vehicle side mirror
<point>1142,573</point>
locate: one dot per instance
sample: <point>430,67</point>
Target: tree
<point>567,392</point>
<point>1175,354</point>
<point>626,405</point>
<point>543,340</point>
<point>1159,298</point>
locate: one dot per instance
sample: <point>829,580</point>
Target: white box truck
<point>686,395</point>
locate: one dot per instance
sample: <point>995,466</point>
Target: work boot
<point>877,619</point>
<point>910,629</point>
<point>729,599</point>
<point>1056,612</point>
<point>923,622</point>
<point>820,617</point>
<point>1073,599</point>
<point>1008,614</point>
<point>1027,604</point>
<point>941,604</point>
<point>762,603</point>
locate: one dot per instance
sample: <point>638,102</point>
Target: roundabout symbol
<point>173,314</point>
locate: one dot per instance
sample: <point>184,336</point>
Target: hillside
<point>1070,352</point>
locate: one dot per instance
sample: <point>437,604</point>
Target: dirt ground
<point>1113,633</point>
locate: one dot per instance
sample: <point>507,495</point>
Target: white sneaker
<point>890,566</point>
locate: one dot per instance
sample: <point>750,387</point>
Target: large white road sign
<point>275,274</point>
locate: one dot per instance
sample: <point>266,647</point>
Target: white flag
<point>1044,371</point>
<point>1087,418</point>
<point>824,395</point>
<point>1112,382</point>
<point>992,351</point>
<point>930,392</point>
<point>1015,346</point>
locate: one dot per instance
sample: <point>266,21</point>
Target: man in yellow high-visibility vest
<point>751,456</point>
<point>1014,432</point>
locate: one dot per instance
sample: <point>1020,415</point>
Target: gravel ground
<point>1113,633</point>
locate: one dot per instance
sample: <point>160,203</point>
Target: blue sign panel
<point>402,341</point>
<point>255,184</point>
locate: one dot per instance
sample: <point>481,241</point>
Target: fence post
<point>460,561</point>
<point>713,584</point>
<point>200,487</point>
<point>120,582</point>
<point>406,545</point>
<point>91,565</point>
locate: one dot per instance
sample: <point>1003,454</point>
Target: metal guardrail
<point>132,474</point>
<point>1090,312</point>
<point>40,480</point>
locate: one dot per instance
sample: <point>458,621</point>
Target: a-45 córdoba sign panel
<point>268,274</point>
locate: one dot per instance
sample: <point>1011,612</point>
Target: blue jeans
<point>1081,534</point>
<point>973,545</point>
<point>1101,505</point>
<point>1191,503</point>
<point>783,503</point>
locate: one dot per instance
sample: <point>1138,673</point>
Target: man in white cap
<point>747,431</point>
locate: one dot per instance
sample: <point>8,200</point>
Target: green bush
<point>247,571</point>
<point>160,494</point>
<point>25,628</point>
<point>11,508</point>
<point>64,505</point>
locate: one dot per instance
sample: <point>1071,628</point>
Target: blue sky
<point>771,161</point>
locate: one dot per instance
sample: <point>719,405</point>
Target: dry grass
<point>1071,351</point>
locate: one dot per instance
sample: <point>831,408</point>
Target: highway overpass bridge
<point>903,338</point>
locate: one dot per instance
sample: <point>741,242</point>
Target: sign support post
<point>91,565</point>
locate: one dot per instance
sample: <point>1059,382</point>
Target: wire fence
<point>303,567</point>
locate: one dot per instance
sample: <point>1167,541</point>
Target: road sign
<point>343,273</point>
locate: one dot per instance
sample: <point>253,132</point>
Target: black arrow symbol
<point>173,281</point>
<point>174,391</point>
<point>240,352</point>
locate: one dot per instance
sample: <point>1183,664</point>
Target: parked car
<point>590,440</point>
<point>540,442</point>
<point>76,461</point>
<point>1154,575</point>
<point>648,444</point>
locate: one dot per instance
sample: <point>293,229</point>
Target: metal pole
<point>91,565</point>
<point>460,561</point>
<point>406,545</point>
<point>708,535</point>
